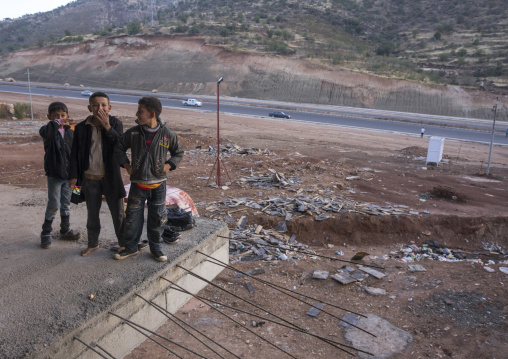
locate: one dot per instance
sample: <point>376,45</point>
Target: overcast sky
<point>18,8</point>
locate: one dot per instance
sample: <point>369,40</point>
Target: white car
<point>86,93</point>
<point>192,102</point>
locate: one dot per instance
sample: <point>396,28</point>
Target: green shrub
<point>20,110</point>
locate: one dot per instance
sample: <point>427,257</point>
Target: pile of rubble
<point>319,206</point>
<point>229,150</point>
<point>248,243</point>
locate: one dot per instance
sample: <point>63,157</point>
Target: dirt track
<point>323,156</point>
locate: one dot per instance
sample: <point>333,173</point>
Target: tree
<point>133,28</point>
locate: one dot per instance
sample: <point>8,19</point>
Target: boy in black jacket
<point>57,136</point>
<point>150,143</point>
<point>94,168</point>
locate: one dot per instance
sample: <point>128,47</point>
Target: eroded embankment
<point>190,66</point>
<point>459,232</point>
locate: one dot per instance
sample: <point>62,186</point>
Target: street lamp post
<point>492,138</point>
<point>218,136</point>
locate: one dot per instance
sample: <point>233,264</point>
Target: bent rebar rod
<point>173,318</point>
<point>90,347</point>
<point>156,334</point>
<point>285,291</point>
<point>229,317</point>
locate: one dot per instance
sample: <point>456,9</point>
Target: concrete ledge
<point>45,293</point>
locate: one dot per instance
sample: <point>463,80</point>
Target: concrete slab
<point>45,301</point>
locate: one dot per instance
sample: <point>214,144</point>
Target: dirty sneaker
<point>142,245</point>
<point>172,239</point>
<point>159,256</point>
<point>124,254</point>
<point>70,235</point>
<point>46,241</point>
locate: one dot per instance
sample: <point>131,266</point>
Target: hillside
<point>463,41</point>
<point>437,57</point>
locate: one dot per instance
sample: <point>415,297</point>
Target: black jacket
<point>148,166</point>
<point>80,155</point>
<point>57,149</point>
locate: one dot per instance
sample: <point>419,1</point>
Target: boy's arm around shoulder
<point>121,147</point>
<point>176,151</point>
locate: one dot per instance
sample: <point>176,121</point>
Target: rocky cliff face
<point>188,66</point>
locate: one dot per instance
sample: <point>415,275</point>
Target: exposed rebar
<point>158,335</point>
<point>236,296</point>
<point>328,341</point>
<point>90,347</point>
<point>153,340</point>
<point>230,318</point>
<point>173,318</point>
<point>288,292</point>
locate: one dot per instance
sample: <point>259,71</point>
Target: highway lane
<point>409,123</point>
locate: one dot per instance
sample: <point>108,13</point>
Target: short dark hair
<point>97,94</point>
<point>152,104</point>
<point>57,106</point>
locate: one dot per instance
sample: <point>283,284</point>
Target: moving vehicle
<point>192,102</point>
<point>86,93</point>
<point>279,114</point>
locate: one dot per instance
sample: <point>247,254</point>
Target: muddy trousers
<point>93,191</point>
<point>134,218</point>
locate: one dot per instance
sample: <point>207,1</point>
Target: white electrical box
<point>435,151</point>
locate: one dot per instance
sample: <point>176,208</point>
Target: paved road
<point>475,130</point>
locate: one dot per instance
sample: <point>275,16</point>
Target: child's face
<point>144,116</point>
<point>99,103</point>
<point>58,115</point>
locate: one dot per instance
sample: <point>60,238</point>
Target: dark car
<point>279,114</point>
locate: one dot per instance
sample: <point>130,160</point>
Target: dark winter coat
<point>57,149</point>
<point>80,155</point>
<point>148,166</point>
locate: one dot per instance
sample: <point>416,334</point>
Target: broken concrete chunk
<point>358,276</point>
<point>349,318</point>
<point>320,274</point>
<point>359,256</point>
<point>251,272</point>
<point>250,288</point>
<point>372,272</point>
<point>315,309</point>
<point>416,268</point>
<point>374,291</point>
<point>343,278</point>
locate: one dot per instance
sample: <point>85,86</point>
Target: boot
<point>66,232</point>
<point>46,234</point>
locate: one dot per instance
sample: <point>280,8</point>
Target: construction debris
<point>319,205</point>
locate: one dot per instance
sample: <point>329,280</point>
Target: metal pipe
<point>232,319</point>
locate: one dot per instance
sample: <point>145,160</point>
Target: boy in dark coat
<point>150,143</point>
<point>57,136</point>
<point>94,168</point>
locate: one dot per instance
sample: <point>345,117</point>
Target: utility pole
<point>218,137</point>
<point>492,137</point>
<point>151,8</point>
<point>30,92</point>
